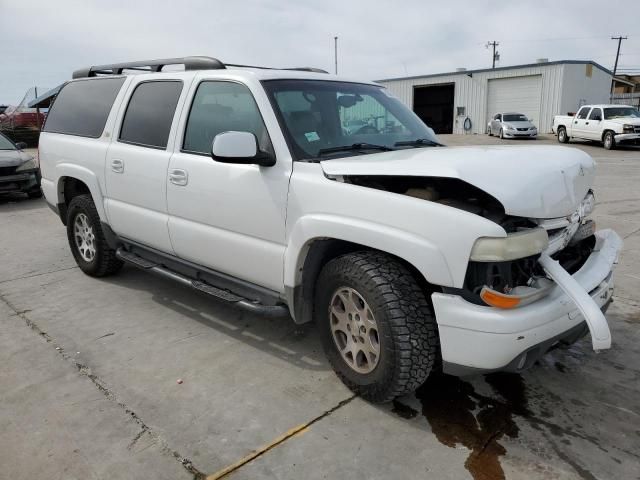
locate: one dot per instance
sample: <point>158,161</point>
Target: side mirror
<point>239,147</point>
<point>21,145</point>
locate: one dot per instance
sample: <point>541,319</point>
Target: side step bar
<point>225,295</point>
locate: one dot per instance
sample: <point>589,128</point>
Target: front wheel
<point>609,141</point>
<point>88,244</point>
<point>377,328</point>
<point>501,135</point>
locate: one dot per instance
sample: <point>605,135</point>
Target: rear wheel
<point>88,245</point>
<point>562,135</point>
<point>489,132</point>
<point>377,327</point>
<point>609,140</point>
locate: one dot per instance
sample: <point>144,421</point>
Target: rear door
<point>137,162</point>
<point>579,125</point>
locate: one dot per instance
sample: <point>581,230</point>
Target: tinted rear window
<point>82,107</point>
<point>150,113</point>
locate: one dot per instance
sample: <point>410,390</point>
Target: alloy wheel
<point>84,237</point>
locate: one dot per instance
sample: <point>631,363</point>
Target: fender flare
<point>88,178</point>
<point>416,250</point>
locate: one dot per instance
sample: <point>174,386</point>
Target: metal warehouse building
<point>539,90</point>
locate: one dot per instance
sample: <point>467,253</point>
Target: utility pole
<point>496,55</point>
<point>615,66</point>
<point>335,52</point>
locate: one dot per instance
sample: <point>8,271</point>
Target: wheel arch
<point>307,254</point>
<point>74,180</point>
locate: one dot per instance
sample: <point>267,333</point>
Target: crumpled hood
<point>13,158</point>
<point>532,181</point>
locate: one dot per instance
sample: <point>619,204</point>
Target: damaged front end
<point>536,256</point>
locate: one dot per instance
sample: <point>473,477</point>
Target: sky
<point>42,42</point>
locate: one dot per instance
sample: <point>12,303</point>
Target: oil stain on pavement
<point>459,415</point>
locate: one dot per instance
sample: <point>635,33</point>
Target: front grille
<point>7,171</point>
<point>523,129</point>
<point>637,128</point>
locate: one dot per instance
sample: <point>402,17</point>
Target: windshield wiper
<point>353,147</point>
<point>419,142</point>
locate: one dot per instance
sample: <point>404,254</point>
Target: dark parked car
<point>19,171</point>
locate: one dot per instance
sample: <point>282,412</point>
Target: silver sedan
<point>511,125</point>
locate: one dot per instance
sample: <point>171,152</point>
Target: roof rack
<point>190,63</point>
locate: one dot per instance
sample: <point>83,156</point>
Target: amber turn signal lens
<point>499,300</point>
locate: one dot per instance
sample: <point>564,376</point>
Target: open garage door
<point>434,105</point>
<point>517,94</point>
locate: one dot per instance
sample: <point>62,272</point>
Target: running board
<point>225,295</point>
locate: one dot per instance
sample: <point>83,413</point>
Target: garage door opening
<point>434,105</point>
<point>518,94</point>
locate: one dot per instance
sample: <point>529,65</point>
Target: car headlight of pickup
<point>627,128</point>
<point>28,165</point>
<point>512,247</point>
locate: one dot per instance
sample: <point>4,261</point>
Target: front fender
<point>416,250</point>
<point>87,177</point>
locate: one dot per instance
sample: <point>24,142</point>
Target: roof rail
<point>190,63</point>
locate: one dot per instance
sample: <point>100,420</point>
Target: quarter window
<point>82,107</point>
<point>222,107</point>
<point>150,112</point>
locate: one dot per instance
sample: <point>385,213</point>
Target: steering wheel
<point>366,129</point>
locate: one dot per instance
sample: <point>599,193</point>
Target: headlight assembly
<point>28,165</point>
<point>515,245</point>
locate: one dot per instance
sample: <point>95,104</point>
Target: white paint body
<point>256,223</point>
<point>589,128</point>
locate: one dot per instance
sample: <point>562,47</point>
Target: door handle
<point>179,177</point>
<point>117,165</point>
<point>575,122</point>
<point>586,123</point>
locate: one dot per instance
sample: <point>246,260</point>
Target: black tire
<point>562,135</point>
<point>609,140</point>
<point>104,262</point>
<point>35,193</point>
<point>407,330</point>
<point>489,132</point>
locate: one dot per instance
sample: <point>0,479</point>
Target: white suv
<point>294,191</point>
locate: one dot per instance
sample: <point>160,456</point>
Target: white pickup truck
<point>610,124</point>
<point>291,191</point>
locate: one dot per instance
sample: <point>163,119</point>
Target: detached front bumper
<point>479,339</point>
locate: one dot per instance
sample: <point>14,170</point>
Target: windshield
<point>5,143</point>
<point>514,117</point>
<point>620,112</point>
<point>318,117</point>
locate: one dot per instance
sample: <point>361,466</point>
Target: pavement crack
<point>36,275</point>
<point>104,389</point>
<point>277,441</point>
<point>632,233</point>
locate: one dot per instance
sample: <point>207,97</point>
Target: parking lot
<point>133,376</point>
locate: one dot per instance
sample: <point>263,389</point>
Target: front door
<point>137,162</point>
<point>227,217</point>
<point>593,125</point>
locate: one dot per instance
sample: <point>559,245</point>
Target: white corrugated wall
<point>471,93</point>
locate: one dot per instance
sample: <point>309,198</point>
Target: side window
<point>149,114</point>
<point>218,107</point>
<point>583,113</point>
<point>497,117</point>
<point>82,107</point>
<point>596,114</point>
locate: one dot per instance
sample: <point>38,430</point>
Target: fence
<point>626,99</point>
